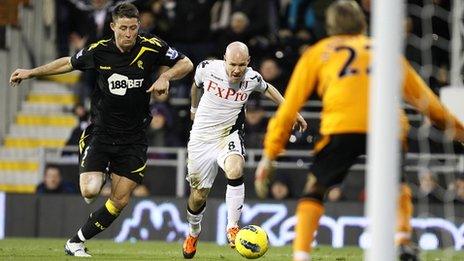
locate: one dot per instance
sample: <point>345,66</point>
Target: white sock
<point>80,235</point>
<point>195,222</point>
<point>235,197</point>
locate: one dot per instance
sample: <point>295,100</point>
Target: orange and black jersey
<point>337,69</point>
<point>120,103</point>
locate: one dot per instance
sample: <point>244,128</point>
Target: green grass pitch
<point>52,249</point>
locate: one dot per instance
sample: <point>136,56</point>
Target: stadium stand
<point>37,119</point>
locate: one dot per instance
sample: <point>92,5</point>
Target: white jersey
<point>221,110</point>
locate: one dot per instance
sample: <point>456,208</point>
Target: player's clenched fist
<point>18,75</point>
<point>161,85</point>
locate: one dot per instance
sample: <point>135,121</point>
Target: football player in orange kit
<point>337,69</point>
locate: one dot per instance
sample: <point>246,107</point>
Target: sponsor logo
<point>161,216</point>
<point>226,93</point>
<point>149,219</point>
<point>217,78</point>
<point>105,67</point>
<point>118,84</point>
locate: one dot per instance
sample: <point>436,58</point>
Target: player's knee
<point>314,190</point>
<point>233,172</point>
<point>89,192</point>
<point>91,184</point>
<point>233,166</point>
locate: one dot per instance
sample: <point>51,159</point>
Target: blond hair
<point>345,17</point>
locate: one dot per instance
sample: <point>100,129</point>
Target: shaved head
<point>236,60</point>
<point>236,49</point>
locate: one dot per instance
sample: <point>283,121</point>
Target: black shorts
<point>335,154</point>
<point>125,157</point>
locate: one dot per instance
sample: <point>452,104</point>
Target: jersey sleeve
<point>261,84</point>
<point>420,96</point>
<point>169,55</point>
<point>83,59</point>
<point>200,72</point>
<point>301,85</point>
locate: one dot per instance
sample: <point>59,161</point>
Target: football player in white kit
<point>216,135</point>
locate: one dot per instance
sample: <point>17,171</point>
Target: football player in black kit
<point>119,113</point>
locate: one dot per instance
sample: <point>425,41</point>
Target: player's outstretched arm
<point>176,72</point>
<point>58,66</point>
<point>273,94</point>
<point>419,95</point>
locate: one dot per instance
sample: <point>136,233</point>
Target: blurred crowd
<point>276,31</point>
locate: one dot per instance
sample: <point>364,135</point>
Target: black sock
<point>75,239</point>
<point>97,222</point>
<point>198,211</point>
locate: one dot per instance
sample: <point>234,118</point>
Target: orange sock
<point>404,215</point>
<point>308,213</point>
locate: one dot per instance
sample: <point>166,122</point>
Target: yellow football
<point>252,242</point>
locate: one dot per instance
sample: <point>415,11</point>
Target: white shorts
<point>204,158</point>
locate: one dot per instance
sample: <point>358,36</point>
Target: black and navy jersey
<point>120,103</point>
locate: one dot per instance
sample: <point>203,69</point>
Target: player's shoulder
<point>252,76</point>
<point>324,47</point>
<point>210,65</point>
<point>99,45</point>
<point>150,40</point>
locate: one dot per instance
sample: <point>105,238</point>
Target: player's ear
<point>113,26</point>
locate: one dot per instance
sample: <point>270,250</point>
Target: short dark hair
<point>126,10</point>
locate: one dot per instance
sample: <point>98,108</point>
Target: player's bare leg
<point>121,190</point>
<point>196,206</point>
<point>91,184</point>
<point>235,194</point>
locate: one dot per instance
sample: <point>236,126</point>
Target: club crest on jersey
<point>171,53</point>
<point>140,64</point>
<point>243,85</point>
<point>118,84</point>
<point>226,93</point>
